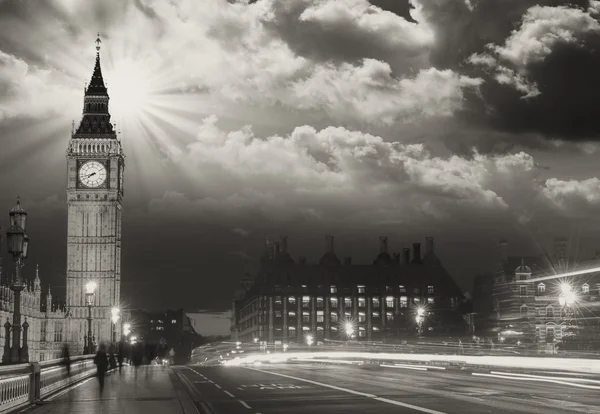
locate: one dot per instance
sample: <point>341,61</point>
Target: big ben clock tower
<point>95,163</point>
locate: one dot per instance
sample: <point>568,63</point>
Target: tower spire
<point>97,86</point>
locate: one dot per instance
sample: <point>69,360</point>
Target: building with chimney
<point>288,300</point>
<point>523,301</point>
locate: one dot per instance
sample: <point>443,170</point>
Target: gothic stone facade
<point>95,165</point>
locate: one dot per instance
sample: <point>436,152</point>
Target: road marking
<point>363,394</point>
<point>515,374</point>
<point>228,393</point>
<point>507,377</point>
<point>244,404</point>
<point>218,386</point>
<point>404,367</point>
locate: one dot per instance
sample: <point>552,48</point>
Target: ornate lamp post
<point>90,289</point>
<point>115,313</point>
<point>566,299</point>
<point>17,243</point>
<point>420,318</point>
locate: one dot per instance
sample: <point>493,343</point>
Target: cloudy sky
<point>465,120</point>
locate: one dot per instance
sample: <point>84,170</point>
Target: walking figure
<point>101,361</point>
<point>66,359</point>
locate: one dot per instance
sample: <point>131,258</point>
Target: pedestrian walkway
<point>154,389</point>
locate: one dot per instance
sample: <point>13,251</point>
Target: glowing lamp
<point>309,339</point>
<point>420,311</point>
<point>349,328</point>
<point>115,314</point>
<point>565,288</point>
<point>561,300</point>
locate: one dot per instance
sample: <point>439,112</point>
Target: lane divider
<point>541,379</point>
<point>349,391</point>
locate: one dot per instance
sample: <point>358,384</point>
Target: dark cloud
<point>400,7</point>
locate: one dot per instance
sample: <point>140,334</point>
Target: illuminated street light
<point>420,311</point>
<point>126,329</point>
<point>90,290</point>
<point>309,340</point>
<point>255,340</point>
<point>349,328</point>
<point>115,314</point>
<point>285,347</point>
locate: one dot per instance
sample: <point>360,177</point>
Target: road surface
<point>321,389</point>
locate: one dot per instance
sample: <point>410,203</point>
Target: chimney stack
<point>347,261</point>
<point>503,246</point>
<point>329,243</point>
<point>283,243</point>
<point>397,258</point>
<point>406,256</point>
<point>416,253</point>
<point>428,245</point>
<point>302,260</point>
<point>383,244</point>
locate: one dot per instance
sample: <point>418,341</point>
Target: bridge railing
<point>22,385</point>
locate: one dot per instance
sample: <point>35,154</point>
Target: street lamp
<point>115,313</point>
<point>566,299</point>
<point>90,289</point>
<point>420,319</point>
<point>349,329</point>
<point>17,246</point>
<point>126,329</point>
<point>309,340</point>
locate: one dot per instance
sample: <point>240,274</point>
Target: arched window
<point>585,288</point>
<point>523,311</point>
<point>550,312</point>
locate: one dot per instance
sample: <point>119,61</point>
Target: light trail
<point>562,275</point>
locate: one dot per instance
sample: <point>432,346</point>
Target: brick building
<point>528,304</point>
<point>288,300</point>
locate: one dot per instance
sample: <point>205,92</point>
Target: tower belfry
<point>95,165</point>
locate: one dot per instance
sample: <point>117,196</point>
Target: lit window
<point>320,303</point>
<point>348,302</point>
<point>430,290</point>
<point>376,314</point>
<point>585,288</point>
<point>402,288</point>
<point>305,328</point>
<point>416,301</point>
<point>334,317</point>
<point>361,317</point>
<point>305,317</point>
<point>292,331</point>
<point>361,289</point>
<point>292,300</point>
<point>320,316</point>
<point>292,314</point>
<point>389,316</point>
<point>362,302</point>
<point>278,300</point>
<point>389,301</point>
<point>403,302</point>
<point>375,302</point>
<point>376,328</point>
<point>333,289</point>
<point>305,300</point>
<point>334,302</point>
<point>431,301</point>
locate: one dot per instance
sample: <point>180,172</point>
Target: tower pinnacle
<point>98,41</point>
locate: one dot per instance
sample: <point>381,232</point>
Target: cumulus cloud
<point>29,91</point>
<point>338,176</point>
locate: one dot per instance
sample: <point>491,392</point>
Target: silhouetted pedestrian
<point>101,362</point>
<point>66,359</point>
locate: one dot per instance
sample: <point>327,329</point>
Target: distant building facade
<point>170,328</point>
<point>286,301</point>
<point>523,308</point>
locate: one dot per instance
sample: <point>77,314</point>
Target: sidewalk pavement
<point>154,389</point>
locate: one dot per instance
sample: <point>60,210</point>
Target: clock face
<point>92,174</point>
